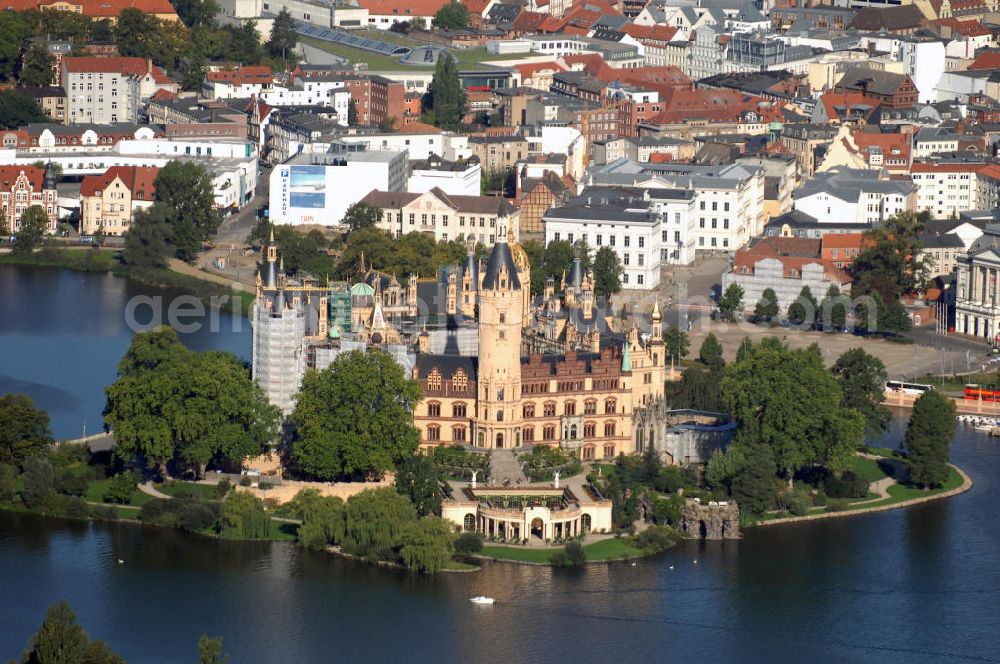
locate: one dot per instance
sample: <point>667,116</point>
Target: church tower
<point>498,412</point>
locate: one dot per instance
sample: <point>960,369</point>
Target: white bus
<point>910,389</point>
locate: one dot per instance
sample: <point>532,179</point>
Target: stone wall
<point>710,521</point>
<point>287,490</point>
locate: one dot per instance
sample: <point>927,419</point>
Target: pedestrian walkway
<point>148,489</point>
<point>505,468</point>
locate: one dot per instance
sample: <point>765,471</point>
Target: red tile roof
<point>792,253</point>
<point>839,104</point>
<point>403,8</point>
<point>137,67</point>
<point>9,174</point>
<point>140,180</point>
<point>246,75</point>
<point>968,28</point>
<point>844,241</point>
<point>654,33</point>
<point>96,8</point>
<point>893,146</point>
<point>987,60</point>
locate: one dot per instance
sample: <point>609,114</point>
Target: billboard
<point>307,186</point>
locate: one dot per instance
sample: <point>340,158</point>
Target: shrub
<point>656,539</point>
<point>668,510</point>
<point>153,510</point>
<point>103,512</point>
<point>76,508</point>
<point>838,505</point>
<point>265,486</point>
<point>243,517</point>
<point>669,479</point>
<point>195,516</point>
<point>120,489</point>
<point>848,485</point>
<point>469,543</point>
<point>575,555</point>
<point>558,559</point>
<point>53,504</point>
<point>245,481</point>
<point>222,488</point>
<point>71,483</point>
<point>798,506</point>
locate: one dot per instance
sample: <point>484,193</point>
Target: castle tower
<point>498,415</point>
<point>470,279</point>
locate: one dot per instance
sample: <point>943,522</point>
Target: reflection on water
<point>62,334</point>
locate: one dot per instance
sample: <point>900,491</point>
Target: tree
<point>786,400</point>
<point>283,36</point>
<point>197,13</point>
<point>862,380</point>
<point>120,489</point>
<point>323,519</point>
<point>61,640</point>
<point>710,352</point>
<point>210,650</point>
<point>559,255</point>
<point>355,417</point>
<point>427,545</point>
<point>745,349</point>
<point>142,35</point>
<point>445,98</point>
<point>804,309</point>
<point>875,316</point>
<point>352,113</point>
<point>607,272</point>
<point>731,302</point>
<point>417,479</point>
<point>834,308</point>
<point>375,522</point>
<point>678,343</point>
<point>24,430</point>
<point>34,223</point>
<point>38,480</point>
<point>453,16</point>
<point>388,125</point>
<point>928,438</point>
<point>576,555</point>
<point>753,484</point>
<point>698,389</point>
<point>36,68</point>
<point>767,306</point>
<point>892,261</point>
<point>198,408</point>
<point>243,517</point>
<point>18,109</point>
<point>187,191</point>
<point>147,241</point>
<point>361,215</point>
<point>8,482</point>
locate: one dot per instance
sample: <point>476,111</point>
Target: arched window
<point>572,432</point>
<point>433,432</point>
<point>589,429</point>
<point>458,409</point>
<point>549,432</point>
<point>585,519</point>
<point>434,409</point>
<point>469,522</point>
<point>609,406</point>
<point>590,407</point>
<point>569,408</point>
<point>609,429</point>
<point>529,410</point>
<point>458,434</point>
<point>549,409</point>
<point>609,451</point>
<point>529,434</point>
<point>588,453</point>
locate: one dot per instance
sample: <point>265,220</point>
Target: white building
<point>318,188</point>
<point>630,226</point>
<point>945,190</point>
<point>852,196</point>
<point>419,144</point>
<point>934,140</point>
<point>309,92</point>
<point>240,83</point>
<point>457,178</point>
<point>110,90</point>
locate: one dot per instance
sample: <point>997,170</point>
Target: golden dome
<point>517,252</point>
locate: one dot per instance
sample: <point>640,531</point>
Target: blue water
<point>62,334</point>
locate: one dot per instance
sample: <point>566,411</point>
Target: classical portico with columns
<point>977,294</point>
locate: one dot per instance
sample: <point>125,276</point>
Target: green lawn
<point>95,494</point>
<point>901,492</point>
<point>81,259</point>
<point>614,548</point>
<point>459,566</point>
<point>282,532</point>
<point>867,469</point>
<point>194,489</point>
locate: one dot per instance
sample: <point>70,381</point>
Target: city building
<point>110,90</point>
<point>455,178</point>
<point>445,217</point>
<point>25,186</point>
<point>108,201</point>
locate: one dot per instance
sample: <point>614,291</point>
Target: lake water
<point>914,585</point>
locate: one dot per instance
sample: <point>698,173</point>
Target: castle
<point>497,369</point>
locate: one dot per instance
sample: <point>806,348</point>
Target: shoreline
<point>203,286</point>
<point>966,485</point>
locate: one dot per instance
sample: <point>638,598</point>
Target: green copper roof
<point>626,358</point>
<point>362,289</point>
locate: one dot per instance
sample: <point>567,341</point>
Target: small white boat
<point>482,599</point>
